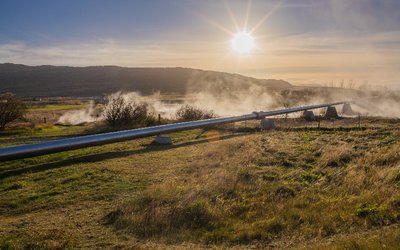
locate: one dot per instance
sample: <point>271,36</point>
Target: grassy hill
<point>49,80</point>
<point>299,186</point>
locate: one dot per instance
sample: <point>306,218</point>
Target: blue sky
<point>303,41</point>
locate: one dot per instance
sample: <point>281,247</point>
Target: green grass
<point>295,187</point>
<point>56,107</point>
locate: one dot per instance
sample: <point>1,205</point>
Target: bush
<point>274,227</point>
<point>196,215</point>
<point>192,113</point>
<point>11,109</point>
<point>119,111</point>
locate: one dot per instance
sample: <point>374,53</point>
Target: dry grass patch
<point>336,156</point>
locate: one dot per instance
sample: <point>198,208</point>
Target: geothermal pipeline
<point>37,149</point>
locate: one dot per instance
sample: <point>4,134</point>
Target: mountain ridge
<point>50,80</point>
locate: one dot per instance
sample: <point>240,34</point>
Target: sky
<point>302,41</point>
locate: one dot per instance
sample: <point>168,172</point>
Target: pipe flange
<point>257,115</point>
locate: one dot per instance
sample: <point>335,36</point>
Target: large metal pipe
<point>36,149</point>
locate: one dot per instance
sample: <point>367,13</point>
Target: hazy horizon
<point>303,42</point>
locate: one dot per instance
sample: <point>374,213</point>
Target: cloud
<point>104,52</point>
<point>326,56</point>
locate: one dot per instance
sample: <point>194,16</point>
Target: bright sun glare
<point>242,42</point>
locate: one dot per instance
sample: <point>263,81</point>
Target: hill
<point>47,80</point>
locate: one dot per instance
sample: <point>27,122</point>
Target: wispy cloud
<point>104,52</point>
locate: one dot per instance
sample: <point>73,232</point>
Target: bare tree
<point>285,98</point>
<point>119,111</point>
<point>192,113</point>
<point>11,109</point>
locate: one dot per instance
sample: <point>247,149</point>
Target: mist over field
<point>243,98</point>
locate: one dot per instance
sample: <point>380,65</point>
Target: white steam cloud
<point>235,102</point>
<point>155,103</point>
<point>77,117</point>
<point>238,98</point>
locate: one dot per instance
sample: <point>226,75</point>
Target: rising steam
<point>154,102</point>
<point>230,96</point>
<point>77,117</point>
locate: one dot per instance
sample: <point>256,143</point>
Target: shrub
<point>11,109</point>
<point>120,111</point>
<point>196,215</point>
<point>285,192</point>
<point>274,227</point>
<point>192,113</point>
<point>245,176</point>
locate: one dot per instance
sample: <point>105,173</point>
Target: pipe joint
<point>258,117</point>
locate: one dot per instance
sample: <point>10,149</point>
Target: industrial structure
<point>37,149</point>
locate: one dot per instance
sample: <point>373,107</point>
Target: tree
<point>192,113</point>
<point>11,109</point>
<point>120,111</point>
<point>285,98</point>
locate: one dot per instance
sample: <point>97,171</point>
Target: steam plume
<point>77,117</point>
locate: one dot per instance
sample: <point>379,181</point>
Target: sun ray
<point>214,23</point>
<point>219,26</point>
<point>262,20</point>
<point>232,16</point>
<point>265,36</point>
<point>246,20</point>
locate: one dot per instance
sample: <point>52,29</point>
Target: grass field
<point>298,186</point>
<point>56,107</point>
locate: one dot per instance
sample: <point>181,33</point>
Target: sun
<point>242,42</point>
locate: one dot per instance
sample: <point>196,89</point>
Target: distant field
<point>298,186</point>
<point>56,107</point>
